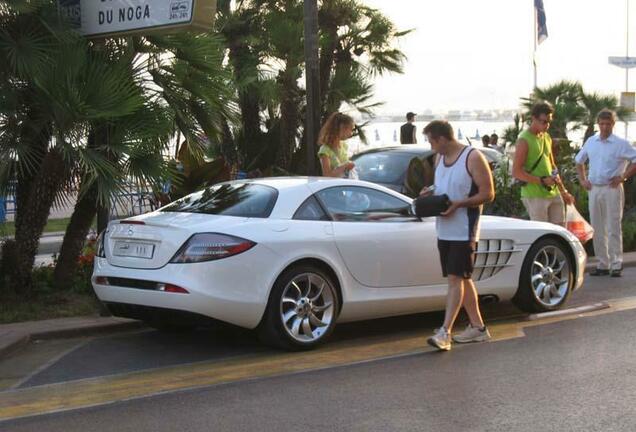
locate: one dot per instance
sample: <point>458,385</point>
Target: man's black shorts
<point>457,257</point>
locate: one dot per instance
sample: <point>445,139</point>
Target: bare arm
<point>627,153</point>
<point>580,170</point>
<point>567,196</point>
<point>414,135</point>
<point>482,176</point>
<point>339,171</point>
<point>631,170</point>
<point>425,190</point>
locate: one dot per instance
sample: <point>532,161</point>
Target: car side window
<point>311,210</point>
<point>362,204</point>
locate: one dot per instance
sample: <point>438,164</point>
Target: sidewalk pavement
<point>13,336</point>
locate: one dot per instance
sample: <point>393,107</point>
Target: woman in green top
<point>333,151</point>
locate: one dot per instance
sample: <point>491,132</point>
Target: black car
<point>406,168</point>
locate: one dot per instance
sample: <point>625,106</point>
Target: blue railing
<point>136,199</point>
<point>7,202</point>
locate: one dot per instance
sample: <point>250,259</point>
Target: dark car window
<point>311,210</point>
<point>382,167</point>
<point>229,199</point>
<point>361,204</point>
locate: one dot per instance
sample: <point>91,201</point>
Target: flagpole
<point>626,56</point>
<point>534,52</point>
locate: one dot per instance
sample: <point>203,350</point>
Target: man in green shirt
<point>543,193</point>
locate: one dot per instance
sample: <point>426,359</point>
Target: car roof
<point>290,182</point>
<point>492,155</point>
<point>413,149</point>
<point>314,183</point>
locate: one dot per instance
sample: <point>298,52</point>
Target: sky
<point>477,54</point>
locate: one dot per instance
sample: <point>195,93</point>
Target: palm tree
<point>182,81</point>
<point>266,53</point>
<point>593,104</point>
<point>565,97</point>
<point>101,114</point>
<point>52,89</point>
<point>357,44</point>
<point>243,30</point>
<point>511,133</point>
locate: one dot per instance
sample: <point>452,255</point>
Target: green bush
<point>507,194</point>
<point>629,233</point>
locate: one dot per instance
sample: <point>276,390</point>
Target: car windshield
<point>229,199</point>
<point>382,167</point>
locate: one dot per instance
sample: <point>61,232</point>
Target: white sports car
<point>293,256</point>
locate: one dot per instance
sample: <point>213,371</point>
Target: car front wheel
<point>302,309</point>
<point>546,277</point>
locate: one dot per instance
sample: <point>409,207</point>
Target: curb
<point>569,311</point>
<point>591,264</point>
<point>15,339</point>
<point>11,343</point>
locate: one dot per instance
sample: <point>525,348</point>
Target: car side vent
<point>491,256</point>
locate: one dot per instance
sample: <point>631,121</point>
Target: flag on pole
<point>542,28</point>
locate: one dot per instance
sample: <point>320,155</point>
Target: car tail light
<point>211,246</point>
<point>100,251</point>
<point>101,280</point>
<point>171,288</point>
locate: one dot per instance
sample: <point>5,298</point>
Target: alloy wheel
<point>307,307</point>
<point>550,275</point>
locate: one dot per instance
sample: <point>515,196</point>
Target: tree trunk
<point>246,68</point>
<point>289,118</point>
<point>76,231</point>
<point>327,56</point>
<point>589,131</point>
<point>38,141</point>
<point>34,214</point>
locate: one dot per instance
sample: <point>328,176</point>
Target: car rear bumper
<point>233,293</point>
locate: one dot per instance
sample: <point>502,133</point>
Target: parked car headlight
<point>211,246</point>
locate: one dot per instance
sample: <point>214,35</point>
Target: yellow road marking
<point>97,391</point>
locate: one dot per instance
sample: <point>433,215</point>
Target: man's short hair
<point>541,108</point>
<point>440,128</point>
<point>606,114</point>
<point>410,115</point>
<point>494,135</point>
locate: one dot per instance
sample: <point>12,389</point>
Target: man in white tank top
<point>463,174</point>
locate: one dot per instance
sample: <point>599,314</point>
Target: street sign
<point>628,100</point>
<point>100,18</point>
<point>623,62</point>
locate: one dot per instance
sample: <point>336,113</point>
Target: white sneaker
<point>440,340</point>
<point>472,334</point>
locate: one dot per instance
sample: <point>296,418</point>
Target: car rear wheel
<point>302,309</point>
<point>546,277</point>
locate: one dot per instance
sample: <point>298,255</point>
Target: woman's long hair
<point>330,131</point>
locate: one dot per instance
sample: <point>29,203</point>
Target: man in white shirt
<point>608,157</point>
